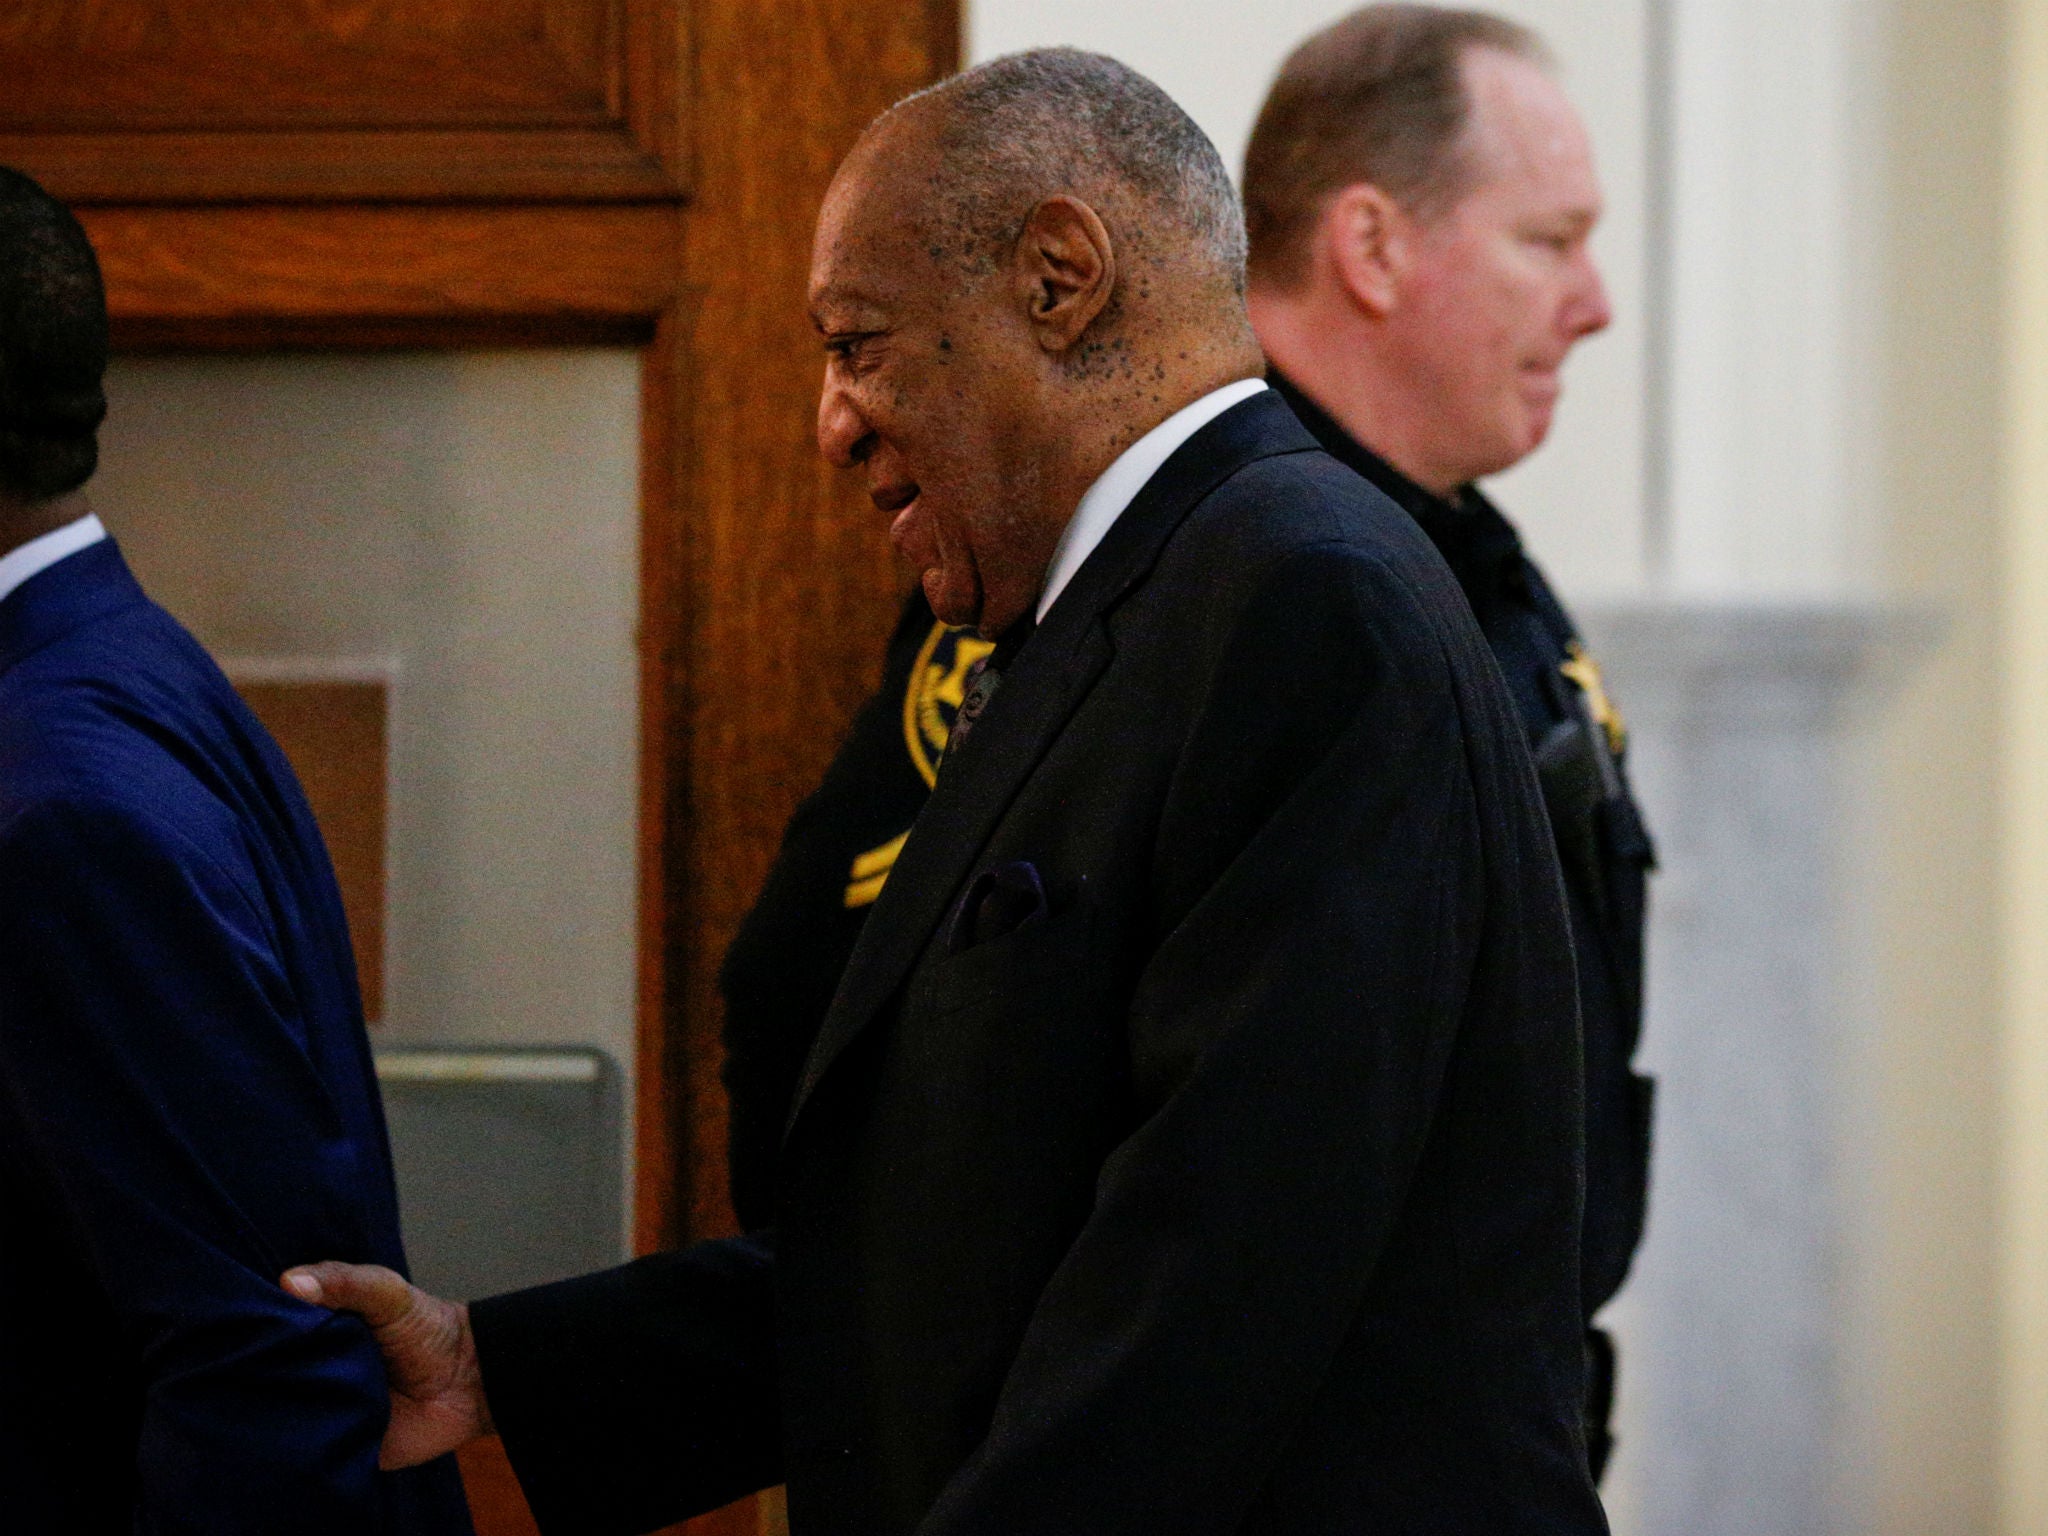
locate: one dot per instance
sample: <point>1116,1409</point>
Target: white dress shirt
<point>1120,483</point>
<point>39,554</point>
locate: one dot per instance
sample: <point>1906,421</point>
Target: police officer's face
<point>929,387</point>
<point>1503,284</point>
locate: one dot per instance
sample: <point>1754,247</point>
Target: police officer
<point>784,964</point>
<point>1420,195</point>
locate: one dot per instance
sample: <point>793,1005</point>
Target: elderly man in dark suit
<point>186,1096</point>
<point>1194,1142</point>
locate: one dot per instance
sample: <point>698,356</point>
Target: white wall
<point>1775,325</point>
<point>474,516</point>
<point>1581,501</point>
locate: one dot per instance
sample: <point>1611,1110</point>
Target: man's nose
<point>1587,310</point>
<point>842,432</point>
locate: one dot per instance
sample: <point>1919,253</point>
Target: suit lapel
<point>976,785</point>
<point>1041,689</point>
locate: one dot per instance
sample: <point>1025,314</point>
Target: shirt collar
<point>39,554</point>
<point>1119,484</point>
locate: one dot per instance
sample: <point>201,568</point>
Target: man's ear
<point>1367,239</point>
<point>1066,270</point>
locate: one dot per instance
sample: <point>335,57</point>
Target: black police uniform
<point>1603,846</point>
<point>785,963</point>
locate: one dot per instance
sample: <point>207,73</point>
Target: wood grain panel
<point>233,276</point>
<point>495,69</point>
<point>792,584</point>
<point>326,100</point>
<point>342,166</point>
<point>764,608</point>
<point>660,1112</point>
<point>497,1507</point>
<point>334,732</point>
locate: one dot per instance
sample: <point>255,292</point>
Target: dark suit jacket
<point>1603,847</point>
<point>1239,1191</point>
<point>187,1105</point>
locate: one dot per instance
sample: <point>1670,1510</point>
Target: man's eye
<point>847,348</point>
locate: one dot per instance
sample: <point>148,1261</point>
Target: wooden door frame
<point>744,687</point>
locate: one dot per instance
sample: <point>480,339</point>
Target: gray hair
<point>1028,126</point>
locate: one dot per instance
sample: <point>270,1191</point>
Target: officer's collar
<point>1480,546</point>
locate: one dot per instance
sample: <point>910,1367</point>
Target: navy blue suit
<point>187,1102</point>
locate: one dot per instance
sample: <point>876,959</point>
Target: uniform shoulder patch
<point>870,872</point>
<point>938,682</point>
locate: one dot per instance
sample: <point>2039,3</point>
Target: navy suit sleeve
<point>154,1076</point>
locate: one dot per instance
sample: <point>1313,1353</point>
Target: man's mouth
<point>905,530</point>
<point>892,498</point>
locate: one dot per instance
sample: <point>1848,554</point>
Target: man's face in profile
<point>928,379</point>
<point>1504,283</point>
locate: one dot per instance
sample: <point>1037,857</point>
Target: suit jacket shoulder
<point>187,1104</point>
<point>1309,513</point>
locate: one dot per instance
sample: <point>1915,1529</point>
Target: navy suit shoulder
<point>111,696</point>
<point>1317,572</point>
<point>187,1101</point>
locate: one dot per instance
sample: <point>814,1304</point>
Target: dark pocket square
<point>997,901</point>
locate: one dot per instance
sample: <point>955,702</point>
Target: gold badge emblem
<point>1584,673</point>
<point>938,682</point>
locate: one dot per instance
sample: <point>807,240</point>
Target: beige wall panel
<point>1926,1377</point>
<point>2024,1274</point>
<point>471,519</point>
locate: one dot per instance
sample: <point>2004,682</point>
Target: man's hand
<point>437,1390</point>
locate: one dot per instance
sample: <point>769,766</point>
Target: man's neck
<point>1326,351</point>
<point>1090,438</point>
<point>1107,433</point>
<point>23,522</point>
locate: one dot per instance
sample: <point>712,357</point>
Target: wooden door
<point>378,173</point>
